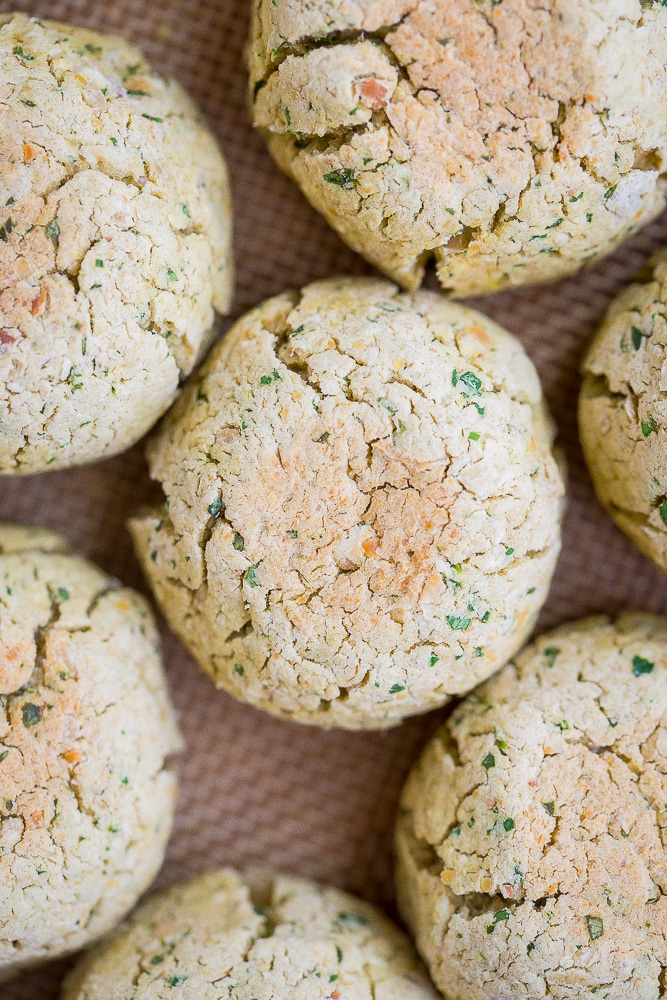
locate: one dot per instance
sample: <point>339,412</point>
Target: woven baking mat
<point>254,790</point>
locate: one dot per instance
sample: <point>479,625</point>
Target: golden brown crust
<point>114,243</point>
<point>86,800</point>
<point>531,838</point>
<point>225,934</point>
<point>511,141</point>
<point>363,506</point>
<point>623,412</point>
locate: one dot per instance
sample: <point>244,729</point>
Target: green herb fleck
<point>550,807</point>
<point>344,178</point>
<point>292,533</point>
<point>550,654</point>
<point>238,542</point>
<point>609,192</point>
<point>63,593</point>
<point>649,426</point>
<point>53,232</point>
<point>474,436</point>
<point>238,669</point>
<point>595,926</point>
<point>434,659</point>
<point>637,336</point>
<point>497,919</point>
<point>32,714</point>
<point>489,762</point>
<point>151,118</point>
<point>508,825</point>
<point>172,275</point>
<point>458,624</point>
<point>22,54</point>
<point>641,666</point>
<point>4,755</point>
<point>562,724</point>
<point>250,575</point>
<point>215,508</point>
<point>663,511</point>
<point>395,688</point>
<point>176,980</point>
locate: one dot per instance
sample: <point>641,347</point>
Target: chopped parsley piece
<point>395,688</point>
<point>509,552</point>
<point>176,980</point>
<point>434,659</point>
<point>250,576</point>
<point>649,426</point>
<point>458,624</point>
<point>238,542</point>
<point>562,724</point>
<point>550,807</point>
<point>151,118</point>
<point>474,436</point>
<point>22,54</point>
<point>663,511</point>
<point>344,178</point>
<point>4,755</point>
<point>609,192</point>
<point>497,919</point>
<point>63,593</point>
<point>641,666</point>
<point>32,714</point>
<point>550,654</point>
<point>53,232</point>
<point>595,926</point>
<point>508,825</point>
<point>636,337</point>
<point>324,438</point>
<point>215,508</point>
<point>292,533</point>
<point>172,275</point>
<point>238,669</point>
<point>489,762</point>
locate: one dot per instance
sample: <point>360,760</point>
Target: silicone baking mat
<point>254,790</point>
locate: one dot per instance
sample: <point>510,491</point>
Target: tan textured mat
<point>257,791</point>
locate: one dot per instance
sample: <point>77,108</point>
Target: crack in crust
<point>623,411</point>
<point>362,506</point>
<point>441,130</point>
<point>253,935</point>
<point>114,244</point>
<point>85,728</point>
<point>532,861</point>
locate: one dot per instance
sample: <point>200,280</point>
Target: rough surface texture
<point>531,838</point>
<point>511,141</point>
<point>362,506</point>
<point>86,803</point>
<point>114,243</point>
<point>623,412</point>
<point>250,937</point>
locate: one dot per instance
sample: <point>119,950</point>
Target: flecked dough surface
<point>86,800</point>
<point>531,855</point>
<point>362,507</point>
<point>114,243</point>
<point>512,142</point>
<point>623,412</point>
<point>256,937</point>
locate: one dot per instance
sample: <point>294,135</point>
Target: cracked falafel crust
<point>531,854</point>
<point>623,412</point>
<point>114,244</point>
<point>512,142</point>
<point>86,801</point>
<point>250,936</point>
<point>362,508</point>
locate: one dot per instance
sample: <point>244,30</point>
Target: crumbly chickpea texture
<point>86,725</point>
<point>252,937</point>
<point>531,858</point>
<point>114,243</point>
<point>362,505</point>
<point>510,141</point>
<point>623,411</point>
